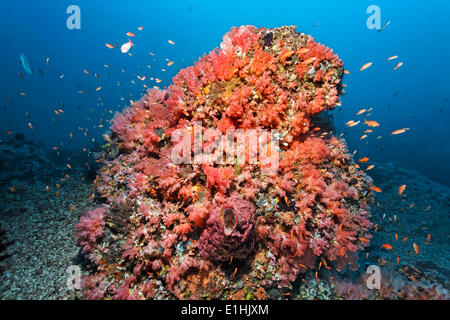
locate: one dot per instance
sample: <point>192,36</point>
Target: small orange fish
<point>342,251</point>
<point>396,237</point>
<point>386,246</point>
<point>398,65</point>
<point>376,189</point>
<point>47,189</point>
<point>404,239</point>
<point>31,126</point>
<point>363,137</point>
<point>428,237</point>
<point>365,66</point>
<point>352,123</point>
<point>140,28</point>
<point>171,42</point>
<point>416,248</point>
<point>130,34</point>
<point>401,189</point>
<point>370,167</point>
<point>126,46</point>
<point>361,112</point>
<point>170,63</point>
<point>234,273</point>
<point>399,131</point>
<point>12,189</point>
<point>363,239</point>
<point>110,46</point>
<point>346,72</point>
<point>69,166</point>
<point>303,50</point>
<point>364,160</point>
<point>368,131</point>
<point>398,260</point>
<point>391,58</point>
<point>372,123</point>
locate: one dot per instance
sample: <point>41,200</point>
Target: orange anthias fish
<point>376,189</point>
<point>126,46</point>
<point>303,50</point>
<point>399,131</point>
<point>170,63</point>
<point>352,123</point>
<point>372,123</point>
<point>401,189</point>
<point>398,65</point>
<point>364,160</point>
<point>109,45</point>
<point>130,34</point>
<point>416,248</point>
<point>391,58</point>
<point>364,67</point>
<point>370,167</point>
<point>386,246</point>
<point>171,42</point>
<point>140,28</point>
<point>361,112</point>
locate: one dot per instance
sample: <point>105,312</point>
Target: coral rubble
<point>223,231</point>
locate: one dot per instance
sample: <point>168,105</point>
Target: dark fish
<point>40,72</point>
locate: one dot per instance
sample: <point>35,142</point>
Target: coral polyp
<point>206,230</point>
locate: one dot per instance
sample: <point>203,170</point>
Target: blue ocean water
<point>415,96</point>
